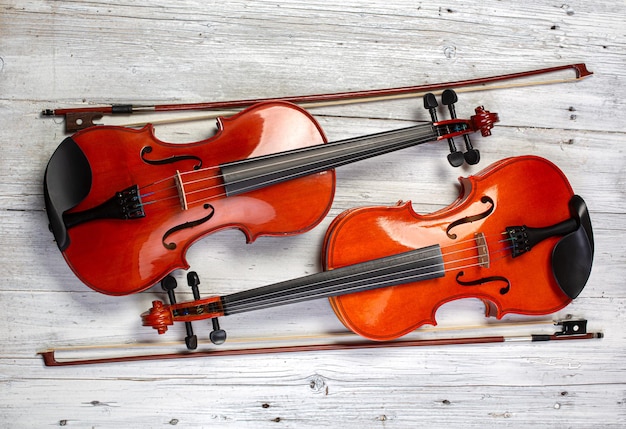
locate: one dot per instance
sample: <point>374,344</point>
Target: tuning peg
<point>168,284</point>
<point>472,156</point>
<point>455,158</point>
<point>193,281</point>
<point>448,98</point>
<point>217,336</point>
<point>191,340</point>
<point>430,103</point>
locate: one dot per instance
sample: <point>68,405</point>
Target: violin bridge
<point>181,191</point>
<point>483,250</point>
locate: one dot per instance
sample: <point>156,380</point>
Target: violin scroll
<point>159,317</point>
<point>483,120</point>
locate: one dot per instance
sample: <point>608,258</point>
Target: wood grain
<point>65,53</point>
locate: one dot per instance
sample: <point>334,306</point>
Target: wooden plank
<point>57,54</point>
<point>312,401</point>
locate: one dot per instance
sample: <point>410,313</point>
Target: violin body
<point>516,191</point>
<point>123,256</point>
<point>124,207</point>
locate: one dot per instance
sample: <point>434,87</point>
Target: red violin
<point>124,207</point>
<point>517,238</point>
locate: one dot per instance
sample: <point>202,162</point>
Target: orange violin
<point>124,207</point>
<point>517,238</point>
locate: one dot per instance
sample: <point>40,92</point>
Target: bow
<point>571,329</point>
<point>83,117</point>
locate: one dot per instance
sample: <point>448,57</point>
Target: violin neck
<point>412,266</point>
<point>258,172</point>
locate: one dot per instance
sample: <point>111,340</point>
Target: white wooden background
<point>66,53</point>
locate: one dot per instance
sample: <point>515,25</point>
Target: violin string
<point>271,181</point>
<point>265,183</point>
<point>148,194</point>
<point>372,272</point>
<point>329,291</point>
<point>449,253</point>
<point>389,137</point>
<point>251,303</point>
<point>302,292</point>
<point>366,140</point>
<point>382,137</point>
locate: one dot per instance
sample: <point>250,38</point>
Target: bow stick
<point>82,117</point>
<point>570,330</point>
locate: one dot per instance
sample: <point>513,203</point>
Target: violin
<point>124,207</point>
<point>517,238</point>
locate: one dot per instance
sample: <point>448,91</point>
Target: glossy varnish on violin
<point>516,238</point>
<point>124,206</point>
<point>120,257</point>
<point>514,192</point>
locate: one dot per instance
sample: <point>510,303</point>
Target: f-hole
<point>478,282</point>
<point>186,225</point>
<point>469,219</point>
<point>170,160</point>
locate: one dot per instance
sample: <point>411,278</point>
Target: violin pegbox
<point>160,316</point>
<point>482,121</point>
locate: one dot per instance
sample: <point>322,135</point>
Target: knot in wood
<point>317,383</point>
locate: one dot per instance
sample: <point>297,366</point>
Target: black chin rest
<point>67,182</point>
<point>572,256</point>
